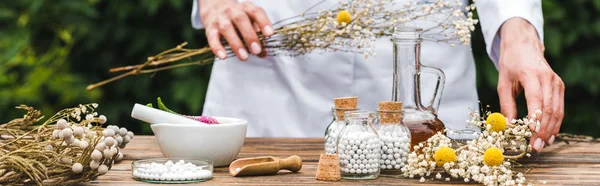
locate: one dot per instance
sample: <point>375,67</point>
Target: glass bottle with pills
<point>359,147</point>
<point>395,137</point>
<point>341,106</point>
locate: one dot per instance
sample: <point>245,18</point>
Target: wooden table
<point>559,164</point>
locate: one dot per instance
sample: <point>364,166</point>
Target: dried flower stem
<point>320,31</point>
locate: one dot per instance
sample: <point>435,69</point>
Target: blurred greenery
<point>51,50</point>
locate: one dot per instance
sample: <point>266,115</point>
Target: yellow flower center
<point>497,121</point>
<point>344,17</point>
<point>444,155</point>
<point>493,157</point>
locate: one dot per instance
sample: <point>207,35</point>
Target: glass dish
<point>167,170</point>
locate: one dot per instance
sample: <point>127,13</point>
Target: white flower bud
<point>123,131</point>
<point>78,131</point>
<point>75,142</point>
<point>69,140</point>
<point>100,146</point>
<point>61,124</point>
<point>91,133</point>
<point>83,144</point>
<point>114,128</point>
<point>126,139</point>
<point>49,148</point>
<point>108,132</point>
<point>108,153</point>
<point>130,134</point>
<point>96,155</point>
<point>56,134</point>
<point>77,168</point>
<point>94,164</point>
<point>102,119</point>
<point>119,139</point>
<point>66,160</point>
<point>109,141</point>
<point>103,169</point>
<point>89,117</point>
<point>66,133</point>
<point>119,157</point>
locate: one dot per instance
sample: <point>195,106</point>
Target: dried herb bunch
<point>61,151</point>
<point>350,26</point>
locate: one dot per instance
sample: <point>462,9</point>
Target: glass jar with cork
<point>395,137</point>
<point>341,106</point>
<point>359,147</point>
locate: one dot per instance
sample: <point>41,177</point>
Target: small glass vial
<point>359,147</point>
<point>334,128</point>
<point>395,137</point>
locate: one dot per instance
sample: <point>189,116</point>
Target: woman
<point>286,96</point>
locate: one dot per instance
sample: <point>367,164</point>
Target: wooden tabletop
<point>559,164</point>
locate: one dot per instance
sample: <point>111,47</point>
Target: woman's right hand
<point>221,18</point>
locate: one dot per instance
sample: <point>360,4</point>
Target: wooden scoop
<point>267,165</point>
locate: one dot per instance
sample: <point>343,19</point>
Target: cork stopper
<point>328,168</point>
<point>344,104</point>
<point>390,112</point>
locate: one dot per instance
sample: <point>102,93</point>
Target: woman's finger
<point>214,41</point>
<point>259,16</point>
<point>244,26</point>
<point>508,105</point>
<point>536,143</point>
<point>228,31</point>
<point>547,125</point>
<point>560,85</point>
<point>533,95</point>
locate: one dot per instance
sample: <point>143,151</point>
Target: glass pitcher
<point>421,119</point>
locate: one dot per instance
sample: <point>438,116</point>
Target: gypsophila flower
<point>481,159</point>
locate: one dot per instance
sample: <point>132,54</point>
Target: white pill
<point>355,166</point>
<point>361,166</point>
<point>389,157</point>
<point>355,156</point>
<point>387,162</point>
<point>384,148</point>
<point>396,166</point>
<point>359,151</point>
<point>368,166</point>
<point>358,171</point>
<point>352,171</point>
<point>390,151</point>
<point>362,156</point>
<point>388,167</point>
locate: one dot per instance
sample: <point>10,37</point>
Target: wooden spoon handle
<point>292,163</point>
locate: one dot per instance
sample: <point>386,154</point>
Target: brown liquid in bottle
<point>421,130</point>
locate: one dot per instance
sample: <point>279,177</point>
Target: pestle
<point>152,116</point>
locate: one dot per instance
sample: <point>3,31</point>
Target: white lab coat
<point>286,96</point>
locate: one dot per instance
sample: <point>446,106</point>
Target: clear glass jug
<point>407,70</point>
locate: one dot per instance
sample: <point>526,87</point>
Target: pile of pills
<point>170,171</point>
<point>331,136</point>
<point>359,152</point>
<point>395,148</point>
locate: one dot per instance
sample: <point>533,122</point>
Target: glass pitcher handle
<point>434,104</point>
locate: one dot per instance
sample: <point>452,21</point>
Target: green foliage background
<point>51,50</point>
